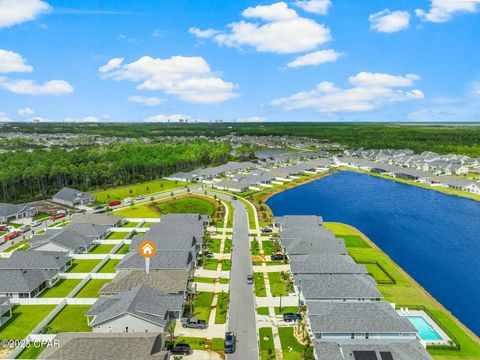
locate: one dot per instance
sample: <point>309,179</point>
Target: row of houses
<point>345,313</point>
<point>450,164</point>
<point>425,177</point>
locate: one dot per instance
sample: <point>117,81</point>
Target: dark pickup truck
<point>289,317</point>
<point>230,340</point>
<point>180,349</point>
<point>194,323</point>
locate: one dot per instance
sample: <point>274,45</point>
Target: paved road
<point>242,301</point>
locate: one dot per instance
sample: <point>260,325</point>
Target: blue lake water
<point>433,236</point>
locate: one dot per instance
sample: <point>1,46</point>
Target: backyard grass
<point>291,348</point>
<point>117,235</point>
<point>21,245</point>
<point>377,273</point>
<point>83,265</point>
<point>143,189</point>
<point>91,288</point>
<point>62,288</point>
<point>147,224</point>
<point>129,224</point>
<point>102,249</point>
<point>354,241</point>
<point>267,347</point>
<point>227,247</point>
<point>406,292</point>
<point>222,308</point>
<point>262,311</point>
<point>24,319</point>
<point>278,287</point>
<point>71,318</point>
<point>31,352</point>
<point>109,266</point>
<point>202,305</point>
<point>226,265</point>
<point>259,282</point>
<point>123,249</point>
<point>210,264</point>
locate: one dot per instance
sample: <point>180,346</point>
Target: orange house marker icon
<point>147,249</point>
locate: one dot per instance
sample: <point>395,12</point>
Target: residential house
<point>140,309</point>
<point>72,197</point>
<point>10,212</point>
<point>325,264</point>
<point>99,219</point>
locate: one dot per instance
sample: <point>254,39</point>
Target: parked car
<point>25,228</point>
<point>229,345</point>
<point>98,207</point>
<point>234,197</point>
<point>12,235</point>
<point>180,349</point>
<point>278,257</point>
<point>290,317</point>
<point>57,216</point>
<point>138,198</point>
<point>249,279</point>
<point>4,228</point>
<point>194,323</point>
<point>266,229</point>
<point>207,254</point>
<point>36,223</point>
<point>114,203</point>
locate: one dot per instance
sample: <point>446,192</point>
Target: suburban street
<point>242,301</point>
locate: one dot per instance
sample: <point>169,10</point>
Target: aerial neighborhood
<point>76,258</point>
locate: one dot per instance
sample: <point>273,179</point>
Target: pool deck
<point>411,313</point>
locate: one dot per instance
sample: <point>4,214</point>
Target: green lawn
<point>116,235</point>
<point>102,249</point>
<point>91,288</point>
<point>262,311</point>
<point>259,282</point>
<point>83,265</point>
<point>135,190</point>
<point>222,308</point>
<point>123,249</point>
<point>251,213</point>
<point>109,266</point>
<point>230,214</point>
<point>129,224</point>
<point>267,347</point>
<point>277,285</point>
<point>31,352</point>
<point>24,319</point>
<point>407,293</point>
<point>61,289</point>
<point>227,247</point>
<point>210,264</point>
<point>207,280</point>
<point>71,319</point>
<point>354,241</point>
<point>218,344</point>
<point>226,265</point>
<point>186,204</point>
<point>291,348</point>
<point>21,245</point>
<point>202,305</point>
<point>286,309</point>
<point>255,248</point>
<point>147,224</point>
<point>378,274</point>
<point>269,247</point>
<point>214,245</point>
<point>195,343</point>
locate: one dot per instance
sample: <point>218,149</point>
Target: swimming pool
<point>426,332</point>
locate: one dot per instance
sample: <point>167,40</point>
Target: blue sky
<point>303,60</point>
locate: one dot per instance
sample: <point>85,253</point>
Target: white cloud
<point>444,10</point>
<point>146,101</point>
<point>315,58</point>
<point>369,92</point>
<point>283,31</point>
<point>167,118</point>
<point>475,91</point>
<point>4,117</point>
<point>85,119</point>
<point>106,116</point>
<point>30,87</point>
<point>157,33</point>
<point>188,78</point>
<point>13,62</point>
<point>319,7</point>
<point>252,119</point>
<point>389,21</point>
<point>26,112</point>
<point>112,64</point>
<point>13,12</point>
<point>202,34</point>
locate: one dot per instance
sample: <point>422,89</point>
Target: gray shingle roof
<point>97,219</point>
<point>400,349</point>
<point>101,346</point>
<point>314,245</point>
<point>71,195</point>
<point>167,281</point>
<point>325,264</point>
<point>163,259</point>
<point>142,302</point>
<point>356,317</point>
<point>337,286</point>
<point>23,281</point>
<point>7,210</point>
<point>50,260</point>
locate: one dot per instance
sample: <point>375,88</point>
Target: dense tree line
<point>458,139</point>
<point>40,173</point>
